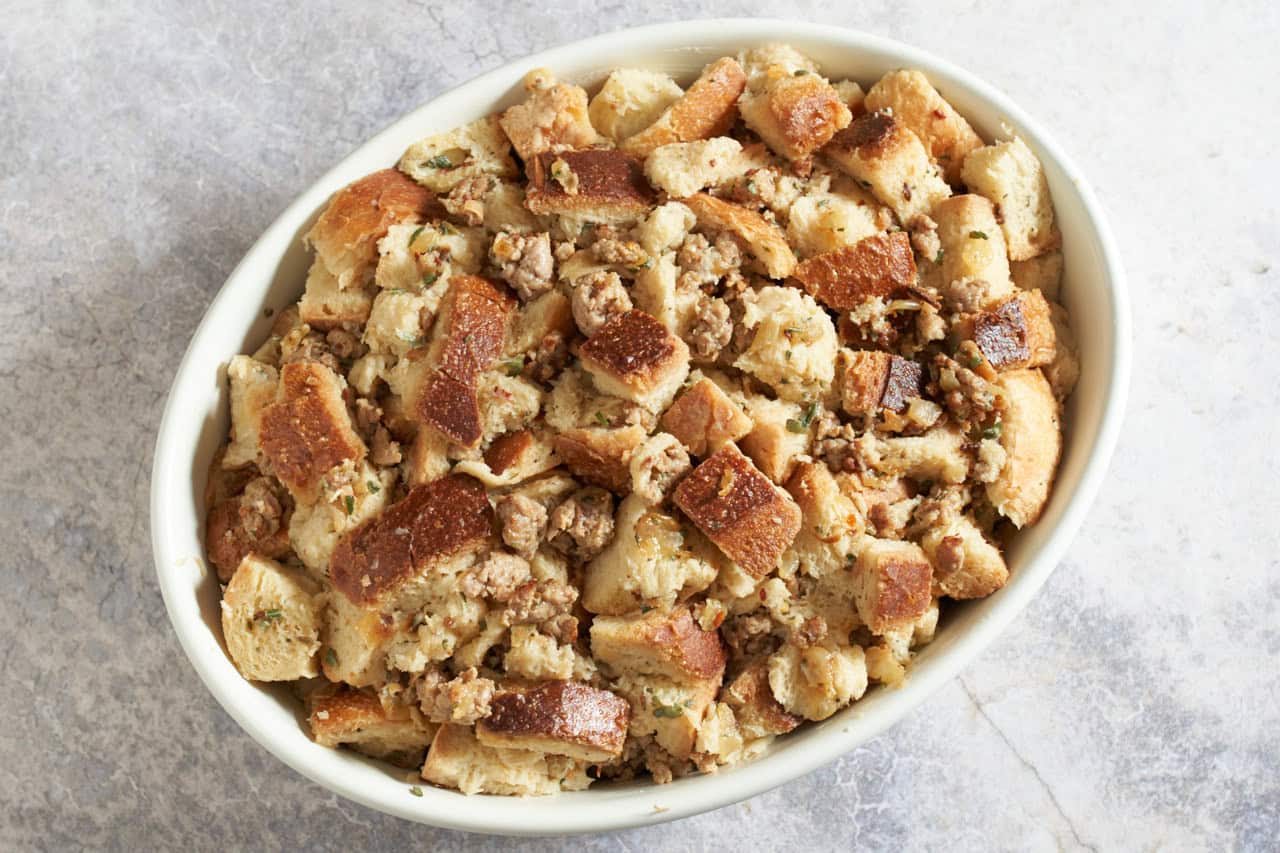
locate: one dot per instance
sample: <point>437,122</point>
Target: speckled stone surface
<point>1134,705</point>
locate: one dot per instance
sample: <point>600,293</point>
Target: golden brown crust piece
<point>914,102</point>
<point>1017,333</point>
<point>610,185</point>
<point>357,718</point>
<point>670,644</point>
<point>871,380</point>
<point>1032,439</point>
<point>228,543</point>
<point>740,510</point>
<point>764,239</point>
<point>894,583</point>
<point>704,419</point>
<point>600,456</point>
<point>846,277</point>
<point>558,717</point>
<point>308,431</point>
<point>634,356</point>
<point>757,711</point>
<point>796,115</point>
<point>508,451</point>
<point>707,109</point>
<point>433,523</point>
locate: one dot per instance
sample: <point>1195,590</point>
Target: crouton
<point>1016,333</point>
<point>652,562</point>
<point>355,643</point>
<point>348,496</point>
<point>324,305</point>
<point>705,419</point>
<point>442,161</point>
<point>1011,176</point>
<point>560,718</point>
<point>750,519</point>
<point>829,520</point>
<point>913,101</point>
<point>667,644</point>
<point>630,100</point>
<point>507,403</point>
<point>635,357</point>
<point>1032,439</point>
<point>356,718</point>
<point>794,113</point>
<point>534,655</point>
<point>665,227</point>
<point>381,563</point>
<point>965,564</point>
<point>253,388</point>
<point>893,582</point>
<point>656,292</point>
<point>271,621</point>
<point>428,457</point>
<point>1064,370</point>
<point>346,235</point>
<point>817,681</point>
<point>877,266</point>
<point>975,266</point>
<point>683,168</point>
<point>765,241</point>
<point>937,455</point>
<point>553,117</point>
<point>671,711</point>
<point>600,456</point>
<point>458,760</point>
<point>887,158</point>
<point>308,430</point>
<point>395,322</point>
<point>758,713</point>
<point>707,109</point>
<point>819,222</point>
<point>550,313</point>
<point>794,343</point>
<point>870,381</point>
<point>761,64</point>
<point>780,432</point>
<point>1042,273</point>
<point>598,184</point>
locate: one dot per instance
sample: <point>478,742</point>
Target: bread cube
<point>870,381</point>
<point>665,228</point>
<point>325,305</point>
<point>458,760</point>
<point>757,712</point>
<point>1032,439</point>
<point>885,157</point>
<point>536,656</point>
<point>507,404</point>
<point>765,241</point>
<point>550,313</point>
<point>876,266</point>
<point>355,643</point>
<point>893,582</point>
<point>912,100</point>
<point>630,100</point>
<point>356,718</point>
<point>253,388</point>
<point>308,431</point>
<point>315,527</point>
<point>666,644</point>
<point>780,432</point>
<point>965,564</point>
<point>597,184</point>
<point>633,356</point>
<point>653,561</point>
<point>819,222</point>
<point>704,419</point>
<point>794,344</point>
<point>829,520</point>
<point>683,168</point>
<point>749,518</point>
<point>599,455</point>
<point>707,109</point>
<point>817,681</point>
<point>671,711</point>
<point>1011,176</point>
<point>938,455</point>
<point>794,112</point>
<point>1016,333</point>
<point>560,718</point>
<point>553,117</point>
<point>443,160</point>
<point>655,292</point>
<point>271,621</point>
<point>975,265</point>
<point>1042,273</point>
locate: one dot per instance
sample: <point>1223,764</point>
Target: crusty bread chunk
<point>653,561</point>
<point>794,112</point>
<point>346,235</point>
<point>253,388</point>
<point>830,520</point>
<point>705,419</point>
<point>975,266</point>
<point>1032,440</point>
<point>1042,273</point>
<point>817,681</point>
<point>351,495</point>
<point>355,643</point>
<point>780,432</point>
<point>794,343</point>
<point>885,157</point>
<point>911,98</point>
<point>458,760</point>
<point>550,313</point>
<point>765,241</point>
<point>683,168</point>
<point>668,644</point>
<point>357,719</point>
<point>707,109</point>
<point>1011,176</point>
<point>825,220</point>
<point>893,582</point>
<point>871,380</point>
<point>325,305</point>
<point>665,227</point>
<point>750,519</point>
<point>443,160</point>
<point>308,431</point>
<point>937,455</point>
<point>1016,333</point>
<point>876,266</point>
<point>553,117</point>
<point>630,100</point>
<point>671,711</point>
<point>382,562</point>
<point>965,564</point>
<point>635,357</point>
<point>758,713</point>
<point>600,455</point>
<point>596,184</point>
<point>271,621</point>
<point>560,718</point>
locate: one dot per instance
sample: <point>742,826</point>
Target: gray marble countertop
<point>1134,705</point>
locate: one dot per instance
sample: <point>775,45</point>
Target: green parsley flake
<point>373,487</point>
<point>802,424</point>
<point>514,366</point>
<point>975,360</point>
<point>601,419</point>
<point>429,278</point>
<point>994,430</point>
<point>331,657</point>
<point>977,235</point>
<point>266,617</point>
<point>416,791</point>
<point>413,238</point>
<point>669,712</point>
<point>350,504</point>
<point>937,259</point>
<point>440,161</point>
<point>800,72</point>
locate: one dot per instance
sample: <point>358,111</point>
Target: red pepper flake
<point>939,115</point>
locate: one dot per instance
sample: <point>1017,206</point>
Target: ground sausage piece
<point>749,634</point>
<point>311,347</point>
<point>834,443</point>
<point>523,261</point>
<point>383,450</point>
<point>702,264</point>
<point>965,394</point>
<point>626,253</point>
<point>496,577</point>
<point>523,520</point>
<point>924,237</point>
<point>549,359</point>
<point>712,329</point>
<point>344,344</point>
<point>758,187</point>
<point>597,297</point>
<point>463,700</point>
<point>582,525</point>
<point>260,509</point>
<point>657,467</point>
<point>466,200</point>
<point>810,632</point>
<point>248,522</point>
<point>539,601</point>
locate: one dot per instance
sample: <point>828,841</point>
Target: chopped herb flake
<point>331,657</point>
<point>413,238</point>
<point>601,419</point>
<point>440,161</point>
<point>994,430</point>
<point>937,259</point>
<point>800,72</point>
<point>801,424</point>
<point>975,360</point>
<point>668,711</point>
<point>514,366</point>
<point>429,278</point>
<point>977,235</point>
<point>416,791</point>
<point>373,487</point>
<point>350,503</point>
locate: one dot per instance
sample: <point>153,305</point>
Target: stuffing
<point>1011,177</point>
<point>794,345</point>
<point>253,387</point>
<point>1032,440</point>
<point>553,118</point>
<point>885,157</point>
<point>817,681</point>
<point>630,100</point>
<point>356,718</point>
<point>442,161</point>
<point>975,265</point>
<point>819,222</point>
<point>683,168</point>
<point>704,418</point>
<point>911,98</point>
<point>708,108</point>
<point>794,111</point>
<point>271,621</point>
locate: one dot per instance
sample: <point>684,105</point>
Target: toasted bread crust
<point>799,114</point>
<point>1017,333</point>
<point>758,713</point>
<point>600,456</point>
<point>876,266</point>
<point>914,101</point>
<point>558,717</point>
<point>308,431</point>
<point>452,408</point>
<point>610,185</point>
<point>508,450</point>
<point>871,380</point>
<point>554,117</point>
<point>1032,438</point>
<point>704,419</point>
<point>894,583</point>
<point>434,522</point>
<point>636,351</point>
<point>740,510</point>
<point>670,644</point>
<point>764,239</point>
<point>707,109</point>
